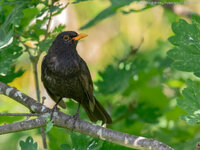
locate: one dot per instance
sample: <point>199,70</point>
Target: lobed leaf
<point>191,102</point>
<point>187,51</point>
<point>8,55</point>
<point>29,144</point>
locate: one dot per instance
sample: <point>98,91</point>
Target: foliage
<point>190,103</point>
<point>141,92</point>
<point>15,27</point>
<point>185,56</point>
<point>79,142</point>
<point>186,53</point>
<point>29,144</point>
<point>49,125</point>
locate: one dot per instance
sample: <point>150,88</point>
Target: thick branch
<point>18,114</point>
<point>23,125</point>
<point>65,121</point>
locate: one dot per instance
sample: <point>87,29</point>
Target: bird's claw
<point>75,118</point>
<point>52,112</point>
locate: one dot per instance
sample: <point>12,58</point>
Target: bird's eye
<point>66,37</point>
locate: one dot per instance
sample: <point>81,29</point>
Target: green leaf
<point>45,44</point>
<point>80,142</point>
<point>189,144</point>
<point>78,1</point>
<point>110,77</point>
<point>56,141</point>
<point>187,51</point>
<point>147,113</point>
<point>59,9</point>
<point>29,144</point>
<point>5,37</point>
<point>10,119</point>
<point>29,15</point>
<point>191,102</point>
<point>65,147</point>
<point>12,20</point>
<point>58,29</point>
<point>15,16</point>
<point>49,126</point>
<point>11,53</point>
<point>111,10</point>
<point>11,75</point>
<point>54,8</point>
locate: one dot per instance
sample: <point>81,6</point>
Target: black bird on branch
<point>66,75</point>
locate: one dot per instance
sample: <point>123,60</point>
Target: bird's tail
<point>98,113</point>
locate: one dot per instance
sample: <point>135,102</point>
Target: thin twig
<point>44,140</point>
<point>43,99</point>
<point>49,22</point>
<point>132,52</point>
<point>19,114</point>
<point>37,88</point>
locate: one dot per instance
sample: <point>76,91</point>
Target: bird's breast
<point>63,74</point>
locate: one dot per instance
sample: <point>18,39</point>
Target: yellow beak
<point>79,36</point>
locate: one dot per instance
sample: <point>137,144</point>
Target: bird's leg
<point>76,116</point>
<point>77,113</point>
<point>55,107</point>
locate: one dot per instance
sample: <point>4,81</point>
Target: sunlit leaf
<point>11,75</point>
<point>45,44</point>
<point>12,20</point>
<point>49,126</point>
<point>8,55</point>
<point>111,10</point>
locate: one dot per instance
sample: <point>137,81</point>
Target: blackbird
<point>66,75</point>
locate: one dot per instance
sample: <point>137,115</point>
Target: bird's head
<point>69,38</point>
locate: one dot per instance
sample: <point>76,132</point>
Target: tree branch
<point>65,121</point>
<point>23,125</point>
<point>18,114</point>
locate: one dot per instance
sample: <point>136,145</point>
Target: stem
<point>37,88</point>
<point>43,134</point>
<point>49,22</point>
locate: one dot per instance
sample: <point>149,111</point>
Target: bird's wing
<point>86,83</point>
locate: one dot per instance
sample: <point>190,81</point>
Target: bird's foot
<point>75,118</point>
<point>55,108</point>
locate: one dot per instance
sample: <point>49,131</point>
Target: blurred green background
<point>138,89</point>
